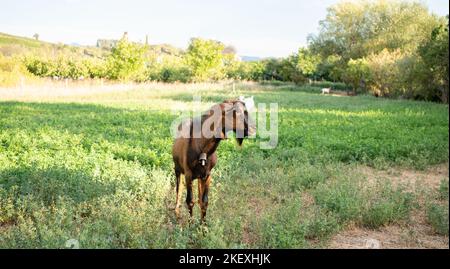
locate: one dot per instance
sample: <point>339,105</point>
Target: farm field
<point>97,167</point>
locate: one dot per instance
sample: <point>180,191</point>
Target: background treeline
<point>390,48</point>
<point>385,48</point>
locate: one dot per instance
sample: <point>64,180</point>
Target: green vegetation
<point>205,59</point>
<point>385,48</point>
<point>401,42</point>
<point>438,217</point>
<point>100,170</point>
<point>126,60</point>
<point>437,209</point>
<point>369,206</point>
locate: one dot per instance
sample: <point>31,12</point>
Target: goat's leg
<point>189,196</point>
<point>200,194</point>
<point>178,192</point>
<point>203,189</point>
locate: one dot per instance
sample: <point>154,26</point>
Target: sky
<point>263,28</point>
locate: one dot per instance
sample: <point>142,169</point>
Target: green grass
<point>443,190</point>
<point>437,209</point>
<point>438,217</point>
<point>98,169</point>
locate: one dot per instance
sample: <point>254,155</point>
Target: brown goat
<point>194,153</point>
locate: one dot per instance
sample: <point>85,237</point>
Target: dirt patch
<point>429,178</point>
<point>340,93</point>
<point>416,233</point>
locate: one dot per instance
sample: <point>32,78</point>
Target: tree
<point>385,72</point>
<point>356,74</point>
<point>356,29</point>
<point>205,59</point>
<point>435,55</point>
<point>307,63</point>
<point>405,47</point>
<point>126,60</point>
<point>331,68</point>
<point>290,71</point>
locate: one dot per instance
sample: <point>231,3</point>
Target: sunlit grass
<point>97,168</point>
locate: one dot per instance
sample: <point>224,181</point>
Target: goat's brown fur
<point>186,152</point>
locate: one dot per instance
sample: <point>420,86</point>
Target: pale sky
<point>255,27</point>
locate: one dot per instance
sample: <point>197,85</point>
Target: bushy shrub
<point>65,67</point>
<point>167,68</point>
<point>37,66</point>
<point>11,71</point>
<point>95,68</point>
<point>246,71</point>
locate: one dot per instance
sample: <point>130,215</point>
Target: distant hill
<point>17,45</point>
<point>11,45</point>
<point>75,44</point>
<point>250,58</point>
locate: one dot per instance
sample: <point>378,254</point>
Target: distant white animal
<point>249,102</point>
<point>326,90</point>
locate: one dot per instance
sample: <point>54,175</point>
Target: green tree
<point>385,73</point>
<point>126,60</point>
<point>205,59</point>
<point>356,74</point>
<point>394,37</point>
<point>307,63</point>
<point>331,68</point>
<point>355,29</point>
<point>435,55</point>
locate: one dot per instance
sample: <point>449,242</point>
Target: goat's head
<point>236,118</point>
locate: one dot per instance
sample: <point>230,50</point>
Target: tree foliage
<point>205,59</point>
<point>435,56</point>
<point>384,72</point>
<point>307,63</point>
<point>391,47</point>
<point>355,29</point>
<point>126,60</point>
<point>357,74</point>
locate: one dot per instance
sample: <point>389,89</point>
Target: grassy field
<point>97,168</point>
